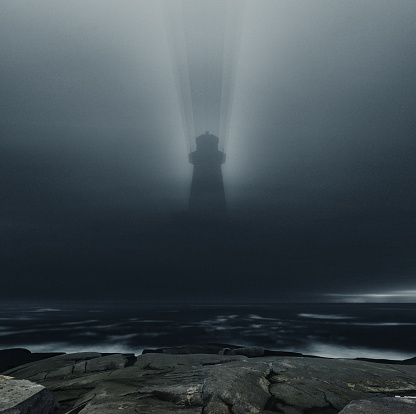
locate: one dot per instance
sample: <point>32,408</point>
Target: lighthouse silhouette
<point>207,197</point>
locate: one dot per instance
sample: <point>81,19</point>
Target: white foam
<point>324,316</point>
<point>339,351</point>
<point>45,310</point>
<point>68,348</point>
<point>80,322</point>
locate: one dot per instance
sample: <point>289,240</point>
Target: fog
<point>314,106</point>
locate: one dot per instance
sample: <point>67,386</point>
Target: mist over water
<point>330,330</point>
<point>313,103</point>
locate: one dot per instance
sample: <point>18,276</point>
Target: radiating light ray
<point>233,34</point>
<point>204,25</point>
<point>204,40</point>
<point>175,33</point>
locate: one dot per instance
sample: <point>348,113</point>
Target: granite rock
<point>24,397</point>
<point>298,384</point>
<point>191,349</point>
<point>156,383</point>
<point>13,357</point>
<point>251,352</point>
<point>386,405</point>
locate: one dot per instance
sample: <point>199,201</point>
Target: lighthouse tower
<point>207,196</point>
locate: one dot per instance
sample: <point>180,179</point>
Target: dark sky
<point>314,103</point>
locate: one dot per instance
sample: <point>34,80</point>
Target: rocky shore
<point>211,379</point>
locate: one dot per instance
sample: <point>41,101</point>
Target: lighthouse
<point>207,197</point>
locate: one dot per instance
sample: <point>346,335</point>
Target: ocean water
<point>330,330</point>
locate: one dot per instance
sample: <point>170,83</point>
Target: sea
<point>333,330</point>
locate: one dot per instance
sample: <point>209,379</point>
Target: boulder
<point>13,357</point>
<point>24,397</point>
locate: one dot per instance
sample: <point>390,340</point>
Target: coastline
<point>215,379</point>
<point>14,357</point>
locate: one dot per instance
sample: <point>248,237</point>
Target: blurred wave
<point>332,330</point>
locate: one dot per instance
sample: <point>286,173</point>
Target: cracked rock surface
<point>215,384</point>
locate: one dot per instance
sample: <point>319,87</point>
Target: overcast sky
<point>314,102</point>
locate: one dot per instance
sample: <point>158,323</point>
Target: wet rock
<point>221,349</point>
<point>13,357</point>
<point>251,352</point>
<point>237,387</point>
<point>410,361</point>
<point>298,384</point>
<point>191,349</point>
<point>105,363</point>
<point>156,383</point>
<point>386,405</point>
<point>24,397</point>
<point>65,365</point>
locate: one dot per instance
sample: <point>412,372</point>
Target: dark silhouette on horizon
<point>207,195</point>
